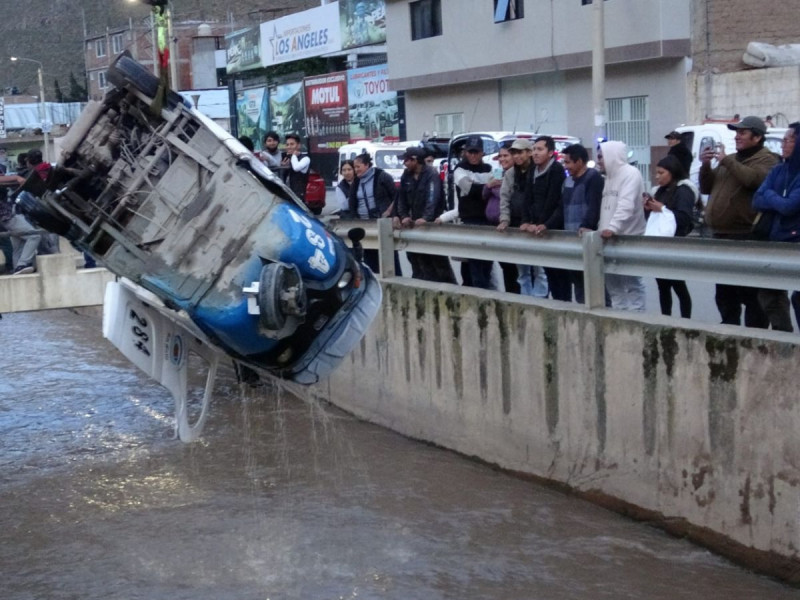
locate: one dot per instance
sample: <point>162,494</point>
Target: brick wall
<point>723,28</point>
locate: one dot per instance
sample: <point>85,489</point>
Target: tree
<point>77,93</point>
<point>59,94</point>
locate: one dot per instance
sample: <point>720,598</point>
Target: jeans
<point>532,281</point>
<point>24,246</point>
<point>626,292</point>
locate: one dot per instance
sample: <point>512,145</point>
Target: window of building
<point>426,19</point>
<point>508,10</point>
<point>629,122</point>
<point>448,123</point>
<point>102,83</point>
<point>117,43</point>
<point>100,47</point>
<point>585,2</point>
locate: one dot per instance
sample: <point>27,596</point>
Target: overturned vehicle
<point>170,201</point>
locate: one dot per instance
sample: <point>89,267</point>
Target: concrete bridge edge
<point>688,428</point>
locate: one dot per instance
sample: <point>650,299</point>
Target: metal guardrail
<point>757,264</point>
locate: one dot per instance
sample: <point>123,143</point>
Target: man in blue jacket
<point>778,199</point>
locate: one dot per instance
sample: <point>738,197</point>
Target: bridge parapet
<point>690,426</point>
<point>58,283</point>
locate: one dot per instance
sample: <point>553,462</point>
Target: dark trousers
<point>731,298</point>
<point>796,306</point>
<point>480,271</point>
<point>575,284</point>
<point>372,260</point>
<point>430,267</point>
<point>775,304</point>
<point>665,288</point>
<point>510,277</point>
<point>8,252</point>
<point>560,284</point>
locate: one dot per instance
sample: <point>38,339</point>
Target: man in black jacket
<point>548,179</point>
<point>470,177</point>
<point>679,150</point>
<point>420,201</point>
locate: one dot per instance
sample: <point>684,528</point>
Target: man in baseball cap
<point>754,124</point>
<point>729,212</point>
<point>679,150</point>
<point>413,152</point>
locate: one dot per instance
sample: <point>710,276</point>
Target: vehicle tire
<point>281,294</point>
<point>38,213</point>
<point>126,71</point>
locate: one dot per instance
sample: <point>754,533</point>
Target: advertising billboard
<point>243,50</point>
<point>286,109</point>
<point>362,22</point>
<point>305,34</point>
<point>374,113</point>
<point>251,111</point>
<point>327,122</point>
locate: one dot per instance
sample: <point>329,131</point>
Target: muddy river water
<point>283,499</point>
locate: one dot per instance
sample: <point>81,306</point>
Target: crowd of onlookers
<point>752,194</point>
<point>23,243</point>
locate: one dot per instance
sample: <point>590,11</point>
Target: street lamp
<point>42,105</point>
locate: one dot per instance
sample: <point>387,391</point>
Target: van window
<point>388,159</point>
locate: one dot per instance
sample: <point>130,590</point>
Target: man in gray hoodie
<point>621,213</point>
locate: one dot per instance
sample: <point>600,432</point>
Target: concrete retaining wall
<point>56,284</point>
<point>694,428</point>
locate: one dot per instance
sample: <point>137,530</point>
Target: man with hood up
<point>779,196</point>
<point>621,213</point>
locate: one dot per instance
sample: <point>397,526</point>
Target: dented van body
<point>172,202</point>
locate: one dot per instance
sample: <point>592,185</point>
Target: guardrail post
<point>386,248</point>
<point>594,277</point>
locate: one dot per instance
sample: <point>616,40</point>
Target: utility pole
<point>599,70</point>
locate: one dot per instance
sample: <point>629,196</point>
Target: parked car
<point>171,201</point>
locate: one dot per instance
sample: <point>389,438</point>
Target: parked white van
<point>696,137</point>
<point>384,155</point>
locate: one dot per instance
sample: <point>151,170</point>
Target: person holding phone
<point>729,212</point>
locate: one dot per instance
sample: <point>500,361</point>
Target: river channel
<point>284,498</point>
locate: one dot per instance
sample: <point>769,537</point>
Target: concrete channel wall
<point>693,428</point>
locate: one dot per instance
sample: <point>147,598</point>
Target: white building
<point>460,70</point>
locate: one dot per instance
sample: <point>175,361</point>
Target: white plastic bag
<point>662,223</point>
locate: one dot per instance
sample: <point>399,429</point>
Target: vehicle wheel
<point>281,294</point>
<point>126,71</point>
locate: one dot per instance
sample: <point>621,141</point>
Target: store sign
<point>326,112</point>
<point>305,34</point>
<point>243,50</point>
<point>374,113</point>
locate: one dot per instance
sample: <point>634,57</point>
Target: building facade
<point>469,65</point>
<point>200,49</point>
